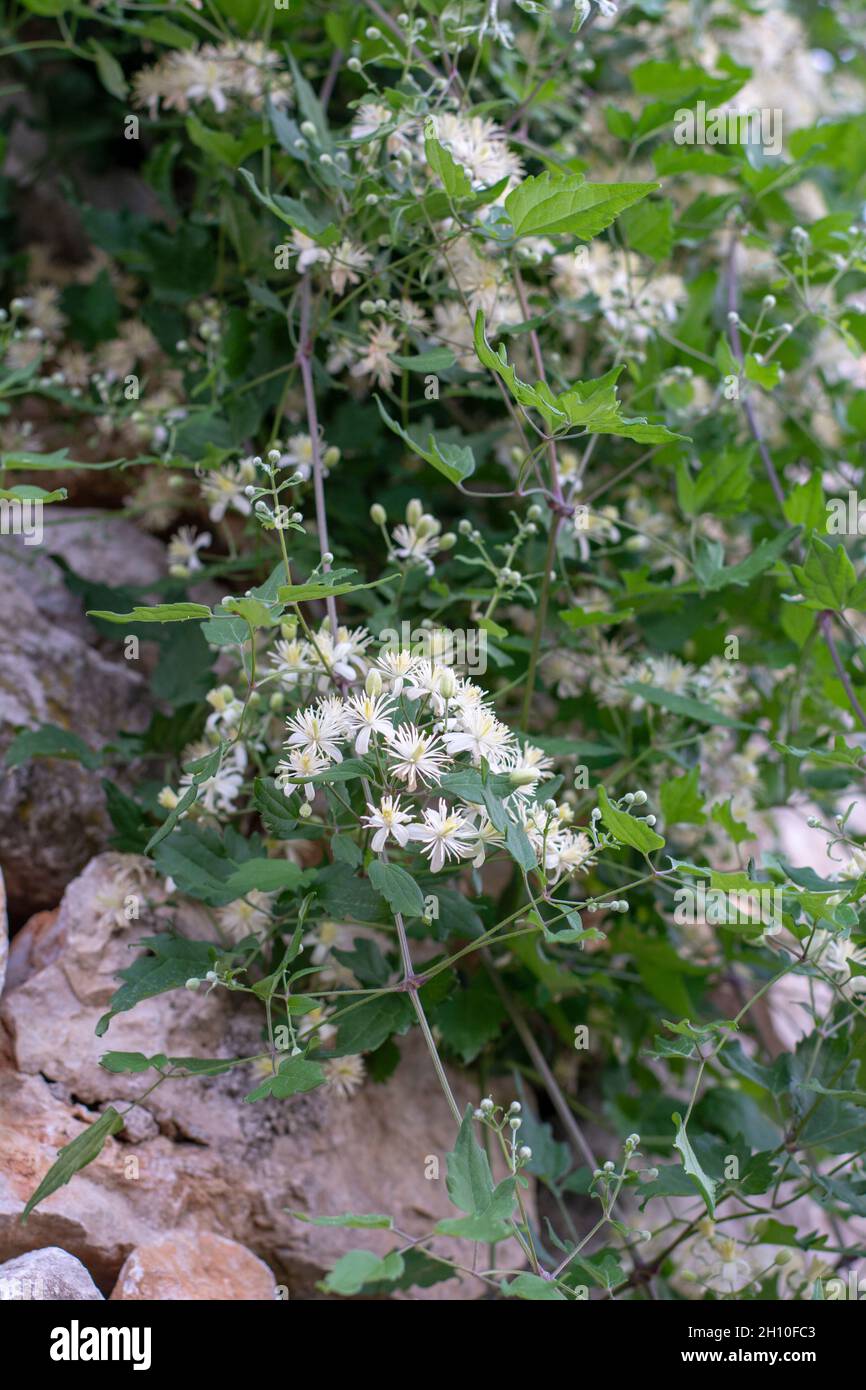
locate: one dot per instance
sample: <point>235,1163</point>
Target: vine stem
<point>825,620</point>
<point>305,363</point>
<point>549,562</point>
<point>825,623</point>
<point>411,987</point>
<point>569,1123</point>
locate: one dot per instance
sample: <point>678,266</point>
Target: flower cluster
<point>238,73</point>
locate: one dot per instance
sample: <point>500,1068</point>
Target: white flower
<point>344,1075</point>
<point>366,715</point>
<point>218,794</point>
<point>481,734</point>
<point>376,360</point>
<point>298,454</point>
<point>248,916</point>
<point>528,761</point>
<point>346,264</point>
<point>480,146</point>
<point>291,660</point>
<point>325,937</point>
<point>424,684</point>
<point>487,837</point>
<point>226,487</point>
<point>183,550</point>
<point>300,764</point>
<point>386,819</point>
<point>415,756</point>
<point>417,544</point>
<point>309,253</point>
<point>567,853</point>
<point>445,834</point>
<point>318,729</point>
<point>397,667</point>
<point>226,710</point>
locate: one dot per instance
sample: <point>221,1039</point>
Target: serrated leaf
<point>454,461</point>
<point>75,1156</point>
<point>398,888</point>
<point>626,828</point>
<point>704,1184</point>
<point>547,203</point>
<point>157,613</point>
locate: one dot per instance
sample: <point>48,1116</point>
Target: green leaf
<point>454,178</point>
<point>50,741</point>
<point>266,876</point>
<point>681,800</point>
<point>170,962</point>
<point>827,580</point>
<point>438,359</point>
<point>470,1181</point>
<point>546,204</point>
<point>330,586</point>
<point>454,461</point>
<point>111,74</point>
<point>28,492</point>
<point>398,888</point>
<point>649,228</point>
<point>532,1286</point>
<point>698,710</point>
<point>346,1221</point>
<point>704,1184</point>
<point>538,397</point>
<point>361,1267</point>
<point>471,1018</point>
<point>295,1076</point>
<point>136,1062</point>
<point>626,829</point>
<point>366,1026</point>
<point>158,613</point>
<point>488,1226</point>
<point>75,1156</point>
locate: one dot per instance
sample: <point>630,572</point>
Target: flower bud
<point>414,512</point>
<point>447,684</point>
<point>378,515</point>
<point>373,684</point>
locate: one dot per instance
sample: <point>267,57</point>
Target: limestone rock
<point>216,1164</point>
<point>4,933</point>
<point>52,812</point>
<point>47,1275</point>
<point>192,1266</point>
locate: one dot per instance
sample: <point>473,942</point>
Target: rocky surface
<point>199,1159</point>
<point>191,1266</point>
<point>47,1275</point>
<point>52,811</point>
<point>4,933</point>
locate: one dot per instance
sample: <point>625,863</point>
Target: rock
<point>52,811</point>
<point>216,1164</point>
<point>47,1275</point>
<point>4,933</point>
<point>186,1265</point>
<point>30,948</point>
